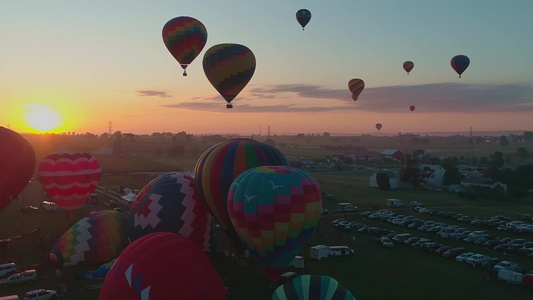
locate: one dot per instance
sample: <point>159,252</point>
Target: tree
<point>452,176</point>
<point>383,182</point>
<point>176,150</point>
<point>497,159</point>
<point>158,151</point>
<point>271,142</point>
<point>522,153</point>
<point>414,174</point>
<point>528,136</point>
<point>503,141</point>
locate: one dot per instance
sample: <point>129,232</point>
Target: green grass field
<point>398,273</point>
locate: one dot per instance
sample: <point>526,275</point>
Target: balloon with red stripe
<point>275,210</point>
<point>69,178</point>
<point>356,86</point>
<point>17,163</point>
<point>184,37</point>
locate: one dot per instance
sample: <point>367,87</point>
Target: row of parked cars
<point>499,222</point>
<point>506,245</point>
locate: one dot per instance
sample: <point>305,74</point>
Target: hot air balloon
<point>275,210</point>
<point>459,63</point>
<point>229,68</point>
<point>96,239</point>
<point>378,126</point>
<point>412,108</point>
<point>184,37</point>
<point>17,161</point>
<point>317,287</point>
<point>408,66</point>
<point>69,178</point>
<point>303,16</point>
<point>219,165</point>
<point>97,274</point>
<point>170,203</point>
<point>163,265</point>
<point>356,86</point>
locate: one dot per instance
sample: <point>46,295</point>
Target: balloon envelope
<point>17,161</point>
<point>163,265</point>
<point>96,239</point>
<point>303,16</point>
<point>412,107</point>
<point>219,165</point>
<point>378,126</point>
<point>459,63</point>
<point>356,86</point>
<point>274,209</point>
<point>170,203</point>
<point>229,68</point>
<point>184,37</point>
<point>317,287</point>
<point>408,66</point>
<point>69,178</point>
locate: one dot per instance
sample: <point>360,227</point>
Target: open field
<point>379,273</point>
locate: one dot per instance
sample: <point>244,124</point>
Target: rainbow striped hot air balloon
<point>229,68</point>
<point>317,287</point>
<point>96,239</point>
<point>220,165</point>
<point>170,203</point>
<point>274,209</point>
<point>184,37</point>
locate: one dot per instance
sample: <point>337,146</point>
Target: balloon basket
<point>228,106</point>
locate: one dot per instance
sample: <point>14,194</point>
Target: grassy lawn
<point>379,273</point>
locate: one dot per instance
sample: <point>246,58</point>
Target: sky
<point>75,66</point>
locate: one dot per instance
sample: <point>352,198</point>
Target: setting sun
<point>42,119</point>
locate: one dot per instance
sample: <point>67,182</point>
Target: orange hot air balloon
<point>356,86</point>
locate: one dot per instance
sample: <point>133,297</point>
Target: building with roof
<point>393,179</point>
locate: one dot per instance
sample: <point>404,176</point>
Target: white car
<point>463,257</point>
<point>504,265</point>
<point>41,294</point>
<point>476,259</point>
<point>415,203</point>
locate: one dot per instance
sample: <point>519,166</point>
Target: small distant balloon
<point>303,16</point>
<point>459,63</point>
<point>356,86</point>
<point>412,107</point>
<point>378,126</point>
<point>408,66</point>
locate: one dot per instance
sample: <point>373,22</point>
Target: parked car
<point>442,249</point>
<point>411,240</point>
<point>477,259</point>
<point>325,212</point>
<point>41,294</point>
<point>463,256</point>
<point>490,263</point>
<point>491,243</point>
<point>337,221</point>
<point>24,276</point>
<point>504,264</point>
<point>415,203</point>
<point>386,242</point>
<point>453,252</point>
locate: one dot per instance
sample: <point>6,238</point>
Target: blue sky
<point>107,58</point>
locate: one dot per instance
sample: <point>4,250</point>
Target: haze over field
<point>74,67</point>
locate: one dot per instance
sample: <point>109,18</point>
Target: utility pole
<point>110,128</point>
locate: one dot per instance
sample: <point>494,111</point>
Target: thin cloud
<point>438,97</point>
<point>159,94</point>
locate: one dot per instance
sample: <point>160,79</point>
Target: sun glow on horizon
<point>42,119</point>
